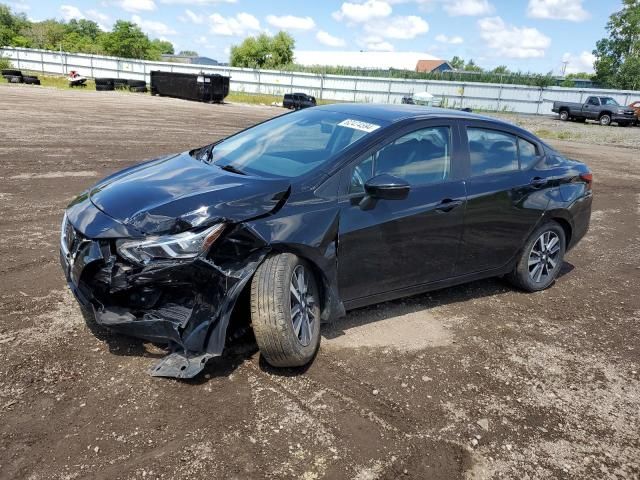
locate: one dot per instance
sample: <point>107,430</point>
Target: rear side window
<point>491,151</point>
<point>528,154</point>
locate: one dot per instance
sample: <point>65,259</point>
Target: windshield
<point>293,144</point>
<point>608,101</point>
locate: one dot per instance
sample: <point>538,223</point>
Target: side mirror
<point>387,187</point>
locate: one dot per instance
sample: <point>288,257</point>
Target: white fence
<point>483,96</point>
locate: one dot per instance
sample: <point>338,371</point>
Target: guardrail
<point>478,96</point>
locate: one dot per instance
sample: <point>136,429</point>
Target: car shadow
<point>241,344</point>
<point>424,302</point>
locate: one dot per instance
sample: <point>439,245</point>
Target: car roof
<point>399,112</point>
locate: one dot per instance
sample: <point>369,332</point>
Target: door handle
<point>537,182</point>
<point>448,204</point>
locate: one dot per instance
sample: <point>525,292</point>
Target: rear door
<point>505,199</point>
<point>403,243</point>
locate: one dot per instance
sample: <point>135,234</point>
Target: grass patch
<point>561,135</point>
<point>263,99</point>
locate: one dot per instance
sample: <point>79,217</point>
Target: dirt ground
<point>477,381</point>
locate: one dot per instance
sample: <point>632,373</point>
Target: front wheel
<point>605,120</point>
<point>285,311</point>
<point>541,259</point>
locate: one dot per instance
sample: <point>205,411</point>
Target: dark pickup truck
<point>605,110</point>
<point>296,101</point>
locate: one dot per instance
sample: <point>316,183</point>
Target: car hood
<point>176,193</point>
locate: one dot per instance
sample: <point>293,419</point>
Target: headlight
<point>181,246</point>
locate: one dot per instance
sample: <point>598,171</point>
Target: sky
<point>526,35</point>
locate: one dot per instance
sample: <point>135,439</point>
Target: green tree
<point>11,25</point>
<point>84,28</point>
<point>472,67</point>
<point>618,56</point>
<point>501,70</point>
<point>457,63</point>
<point>264,51</point>
<point>47,34</point>
<point>162,46</point>
<point>128,41</point>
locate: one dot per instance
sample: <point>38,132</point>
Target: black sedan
<point>313,213</point>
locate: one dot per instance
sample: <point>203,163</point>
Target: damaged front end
<point>185,302</point>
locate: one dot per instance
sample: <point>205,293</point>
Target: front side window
<point>421,158</point>
<point>593,101</point>
<point>491,152</point>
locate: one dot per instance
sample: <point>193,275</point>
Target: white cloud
<point>579,63</point>
<point>196,2</point>
<point>571,10</point>
<point>238,25</point>
<point>375,43</point>
<point>137,5</point>
<point>70,12</point>
<point>193,17</point>
<point>513,42</point>
<point>453,40</point>
<point>457,8</point>
<point>402,28</point>
<point>98,17</point>
<point>290,22</point>
<point>329,40</point>
<point>363,12</point>
<point>153,27</point>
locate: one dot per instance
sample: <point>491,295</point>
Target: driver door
<point>397,244</point>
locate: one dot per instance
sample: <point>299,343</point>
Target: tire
<point>605,120</point>
<point>532,278</point>
<point>104,81</point>
<point>564,115</point>
<point>104,88</point>
<point>8,72</point>
<point>31,80</point>
<point>272,303</point>
<point>136,83</point>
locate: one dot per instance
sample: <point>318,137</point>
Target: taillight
<point>587,178</point>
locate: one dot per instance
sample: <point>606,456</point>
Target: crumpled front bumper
<point>184,304</point>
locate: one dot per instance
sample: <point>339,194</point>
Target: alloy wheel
<point>544,257</point>
<point>303,302</point>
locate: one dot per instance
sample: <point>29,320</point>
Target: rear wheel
<point>541,259</point>
<point>285,313</point>
<point>564,115</point>
<point>605,120</point>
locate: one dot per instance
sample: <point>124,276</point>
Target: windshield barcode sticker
<point>358,125</point>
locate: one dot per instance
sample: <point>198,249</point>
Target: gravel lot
<point>476,381</point>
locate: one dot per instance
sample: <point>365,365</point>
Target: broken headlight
<point>182,246</point>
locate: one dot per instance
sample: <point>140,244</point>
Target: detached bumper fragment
<point>185,304</point>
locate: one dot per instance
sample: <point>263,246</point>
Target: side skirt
<point>426,287</point>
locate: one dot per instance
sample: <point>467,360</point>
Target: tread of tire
<point>269,320</point>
